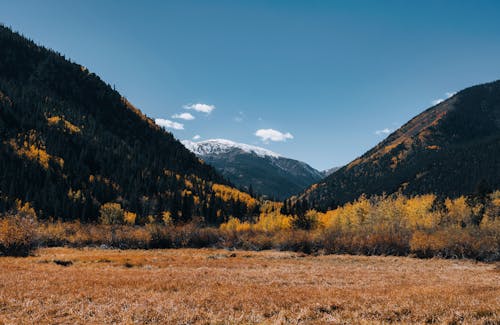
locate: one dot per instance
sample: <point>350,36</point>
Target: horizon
<point>326,77</point>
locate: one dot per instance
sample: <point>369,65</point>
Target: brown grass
<point>187,286</point>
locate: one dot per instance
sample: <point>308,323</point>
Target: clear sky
<point>324,75</point>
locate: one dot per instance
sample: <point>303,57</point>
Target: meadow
<point>212,286</point>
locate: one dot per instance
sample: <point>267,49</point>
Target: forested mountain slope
<point>70,143</point>
<point>450,149</point>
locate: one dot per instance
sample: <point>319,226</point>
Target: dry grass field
<point>197,286</point>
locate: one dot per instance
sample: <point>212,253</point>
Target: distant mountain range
<point>257,169</point>
<point>451,149</point>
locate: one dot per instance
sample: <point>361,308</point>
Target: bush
<point>18,231</point>
<point>307,221</point>
<point>111,214</point>
<point>129,218</point>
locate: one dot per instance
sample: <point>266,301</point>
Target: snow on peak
<point>218,146</point>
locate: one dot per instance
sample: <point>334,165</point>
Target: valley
<point>112,213</point>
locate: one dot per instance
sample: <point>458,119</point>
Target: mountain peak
<point>221,146</point>
<point>268,173</point>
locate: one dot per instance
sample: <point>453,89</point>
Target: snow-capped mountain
<point>266,172</point>
<point>221,146</point>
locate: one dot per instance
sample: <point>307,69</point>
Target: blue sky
<point>325,75</point>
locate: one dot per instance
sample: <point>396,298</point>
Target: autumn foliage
<point>385,225</point>
<point>423,226</point>
<point>18,231</point>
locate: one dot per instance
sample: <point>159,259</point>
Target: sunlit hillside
<point>451,149</point>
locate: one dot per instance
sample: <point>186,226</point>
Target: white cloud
<point>197,137</point>
<point>272,135</point>
<point>199,107</point>
<point>169,124</point>
<point>240,117</point>
<point>184,116</point>
<point>440,100</point>
<point>383,131</point>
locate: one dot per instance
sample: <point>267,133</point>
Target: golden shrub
<point>418,212</point>
<point>273,222</point>
<point>111,213</point>
<point>129,217</point>
<point>18,232</point>
<point>458,211</point>
<point>235,225</point>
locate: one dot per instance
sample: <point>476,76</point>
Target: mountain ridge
<point>219,146</point>
<point>448,149</point>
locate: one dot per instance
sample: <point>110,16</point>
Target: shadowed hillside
<point>70,143</point>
